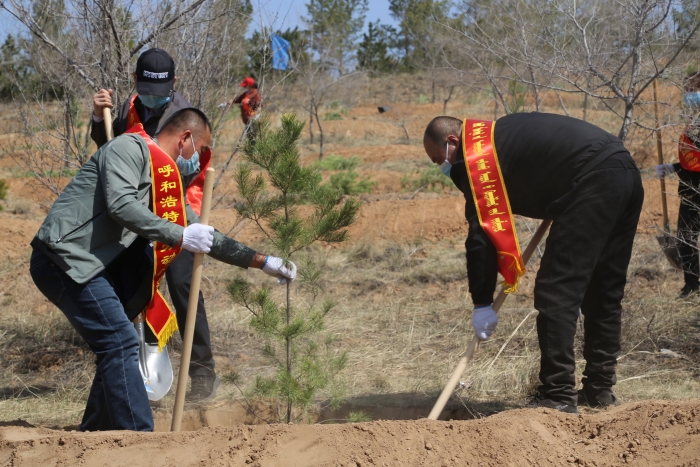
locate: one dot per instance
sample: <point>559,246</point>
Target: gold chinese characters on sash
<point>491,198</point>
<point>168,202</point>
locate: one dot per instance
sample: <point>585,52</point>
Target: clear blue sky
<point>283,14</point>
<point>280,14</point>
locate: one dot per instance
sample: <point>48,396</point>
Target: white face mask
<point>188,166</point>
<point>446,167</point>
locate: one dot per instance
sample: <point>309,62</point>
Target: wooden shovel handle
<point>107,115</point>
<point>188,337</point>
<point>660,154</point>
<point>474,344</point>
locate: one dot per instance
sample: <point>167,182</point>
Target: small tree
<point>304,367</point>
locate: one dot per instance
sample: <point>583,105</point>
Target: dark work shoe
<point>540,400</point>
<point>203,388</point>
<point>597,399</point>
<point>688,291</point>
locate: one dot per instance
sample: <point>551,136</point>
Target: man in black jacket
<point>155,103</point>
<point>688,170</point>
<point>560,168</point>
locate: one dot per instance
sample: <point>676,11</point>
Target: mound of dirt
<point>658,433</point>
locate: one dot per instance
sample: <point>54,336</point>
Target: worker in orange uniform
<point>250,100</point>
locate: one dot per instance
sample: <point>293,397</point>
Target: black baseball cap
<point>155,73</point>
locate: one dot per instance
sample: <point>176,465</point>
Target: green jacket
<point>105,207</point>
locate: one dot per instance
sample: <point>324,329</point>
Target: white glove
<point>198,238</point>
<point>484,321</point>
<point>664,169</point>
<point>275,267</point>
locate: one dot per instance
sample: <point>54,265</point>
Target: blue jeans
<point>118,399</point>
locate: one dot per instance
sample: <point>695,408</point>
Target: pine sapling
<point>305,366</point>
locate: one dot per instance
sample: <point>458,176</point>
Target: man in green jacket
<point>91,256</point>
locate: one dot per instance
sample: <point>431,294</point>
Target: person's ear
<point>174,82</point>
<point>453,140</point>
<point>134,75</point>
<point>186,137</point>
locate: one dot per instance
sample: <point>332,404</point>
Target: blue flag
<point>280,53</point>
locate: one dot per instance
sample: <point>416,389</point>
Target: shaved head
<point>440,128</point>
<point>187,119</point>
<point>186,131</point>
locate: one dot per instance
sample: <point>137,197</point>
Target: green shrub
<point>332,116</point>
<point>429,179</point>
<point>333,162</point>
<point>359,417</point>
<point>346,183</point>
<point>3,191</point>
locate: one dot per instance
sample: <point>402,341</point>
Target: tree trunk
<point>444,103</point>
<point>289,351</point>
<point>561,103</point>
<point>311,127</point>
<point>626,121</point>
<point>538,103</point>
<point>585,107</point>
<point>68,129</point>
<point>320,135</point>
<point>106,74</point>
<point>432,101</point>
<point>495,108</point>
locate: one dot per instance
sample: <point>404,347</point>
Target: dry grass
<point>403,316</point>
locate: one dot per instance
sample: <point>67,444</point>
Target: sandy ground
<point>658,433</point>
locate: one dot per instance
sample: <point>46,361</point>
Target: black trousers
<point>585,267</point>
<point>688,230</point>
<point>179,277</point>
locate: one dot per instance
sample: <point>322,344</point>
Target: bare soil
<point>650,433</point>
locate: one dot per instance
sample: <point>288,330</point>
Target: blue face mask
<point>154,102</point>
<point>188,166</point>
<point>446,167</point>
<point>692,99</point>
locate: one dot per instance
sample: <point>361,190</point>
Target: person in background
<point>250,100</point>
<point>153,105</point>
<point>688,170</point>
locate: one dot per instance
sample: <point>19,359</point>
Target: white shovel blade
<point>159,375</point>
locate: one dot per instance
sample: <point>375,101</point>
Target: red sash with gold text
<point>491,198</point>
<point>195,189</point>
<point>688,154</point>
<point>168,202</point>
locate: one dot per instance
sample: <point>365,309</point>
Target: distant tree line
<point>514,52</point>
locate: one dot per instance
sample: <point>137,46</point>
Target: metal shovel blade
<point>160,372</point>
<point>156,370</point>
<point>670,248</point>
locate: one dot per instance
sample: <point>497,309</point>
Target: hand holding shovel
<point>462,365</point>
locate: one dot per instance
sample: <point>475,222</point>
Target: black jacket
<point>541,155</point>
<point>152,126</point>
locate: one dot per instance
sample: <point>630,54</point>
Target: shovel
<point>188,336</point>
<point>462,365</point>
<point>156,370</point>
<point>669,243</point>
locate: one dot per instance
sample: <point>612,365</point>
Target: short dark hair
<point>440,128</point>
<point>188,118</point>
